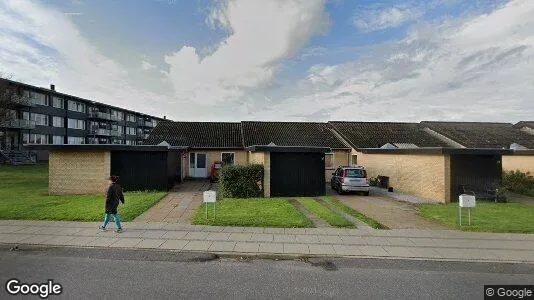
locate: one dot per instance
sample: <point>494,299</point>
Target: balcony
<point>99,115</point>
<point>115,133</point>
<point>145,123</point>
<point>100,131</point>
<point>21,124</point>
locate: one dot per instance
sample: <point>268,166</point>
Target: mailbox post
<point>467,201</point>
<point>210,197</point>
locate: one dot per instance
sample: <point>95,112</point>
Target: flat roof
<point>524,152</point>
<point>103,147</point>
<point>301,149</point>
<point>437,150</point>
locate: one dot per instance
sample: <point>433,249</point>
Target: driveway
<point>388,211</point>
<point>179,205</point>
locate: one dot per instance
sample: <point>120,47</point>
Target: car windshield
<point>355,173</point>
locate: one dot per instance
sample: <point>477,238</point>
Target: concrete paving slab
<point>346,250</point>
<point>152,234</point>
<point>133,233</point>
<point>222,246</point>
<point>354,240</point>
<point>29,229</point>
<point>425,252</point>
<point>373,251</point>
<point>49,230</point>
<point>295,230</point>
<point>36,239</point>
<point>301,238</point>
<point>88,232</point>
<point>81,241</point>
<point>173,244</point>
<point>102,242</point>
<point>322,249</point>
<point>150,243</point>
<point>399,251</point>
<point>329,239</point>
<point>234,229</point>
<point>59,240</point>
<point>296,249</point>
<point>193,235</point>
<point>274,230</point>
<point>286,238</point>
<point>218,236</point>
<point>271,248</point>
<point>10,238</point>
<point>253,229</point>
<point>174,235</point>
<point>240,237</point>
<point>262,237</point>
<point>197,246</point>
<point>399,241</point>
<point>247,247</point>
<point>126,242</point>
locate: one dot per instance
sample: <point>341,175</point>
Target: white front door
<point>198,165</point>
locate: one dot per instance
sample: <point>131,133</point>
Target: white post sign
<point>210,197</point>
<point>466,201</point>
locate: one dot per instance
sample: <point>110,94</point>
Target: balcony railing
<point>99,115</point>
<point>115,133</point>
<point>145,123</point>
<point>100,131</point>
<point>21,124</point>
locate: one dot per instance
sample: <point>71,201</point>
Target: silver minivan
<point>350,179</point>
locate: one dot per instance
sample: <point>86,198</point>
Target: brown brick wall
<point>523,163</point>
<point>426,176</point>
<point>78,172</point>
<point>341,158</point>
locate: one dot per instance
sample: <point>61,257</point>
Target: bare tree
<point>10,101</point>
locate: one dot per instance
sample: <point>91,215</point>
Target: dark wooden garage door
<point>476,171</point>
<point>139,171</point>
<point>297,174</point>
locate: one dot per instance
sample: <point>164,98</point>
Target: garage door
<point>297,174</point>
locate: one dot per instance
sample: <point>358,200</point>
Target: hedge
<point>519,182</point>
<point>244,181</point>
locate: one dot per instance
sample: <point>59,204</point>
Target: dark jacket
<point>113,197</point>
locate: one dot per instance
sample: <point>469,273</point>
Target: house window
<point>76,124</point>
<point>228,158</point>
<point>57,102</point>
<point>57,139</point>
<point>58,122</point>
<point>76,106</point>
<point>329,160</point>
<point>354,159</point>
<point>39,119</point>
<point>34,138</point>
<point>73,140</point>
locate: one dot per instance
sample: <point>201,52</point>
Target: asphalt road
<point>119,274</point>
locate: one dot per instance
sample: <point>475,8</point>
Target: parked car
<point>350,179</point>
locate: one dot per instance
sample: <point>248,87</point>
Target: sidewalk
<point>368,243</point>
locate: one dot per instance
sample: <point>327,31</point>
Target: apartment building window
<point>120,115</point>
<point>130,130</point>
<point>34,138</point>
<point>128,142</point>
<point>74,140</point>
<point>120,129</point>
<point>58,102</point>
<point>58,122</point>
<point>76,124</point>
<point>58,139</point>
<point>76,106</point>
<point>39,99</point>
<point>39,119</point>
<point>131,118</point>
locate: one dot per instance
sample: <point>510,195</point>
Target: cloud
<point>145,65</point>
<point>34,51</point>
<point>261,34</point>
<point>481,68</point>
<point>388,17</point>
<point>73,13</point>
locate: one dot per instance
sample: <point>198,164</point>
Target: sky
<point>280,60</point>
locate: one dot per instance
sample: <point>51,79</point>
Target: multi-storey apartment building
<point>49,117</point>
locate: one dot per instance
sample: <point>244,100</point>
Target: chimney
<point>53,87</point>
<point>164,117</point>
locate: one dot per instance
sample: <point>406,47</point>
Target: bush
<point>519,182</point>
<point>241,181</point>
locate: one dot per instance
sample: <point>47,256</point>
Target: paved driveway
<point>388,211</point>
<point>179,205</point>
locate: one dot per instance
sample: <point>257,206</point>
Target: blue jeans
<point>117,219</point>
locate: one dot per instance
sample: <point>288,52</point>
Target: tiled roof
<point>377,134</point>
<point>197,134</point>
<point>290,134</point>
<point>529,124</point>
<point>482,134</point>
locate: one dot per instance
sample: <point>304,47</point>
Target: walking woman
<point>113,197</point>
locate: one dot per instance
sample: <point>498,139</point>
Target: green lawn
<point>24,195</point>
<point>324,213</point>
<point>490,217</point>
<point>271,212</point>
<point>371,222</point>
